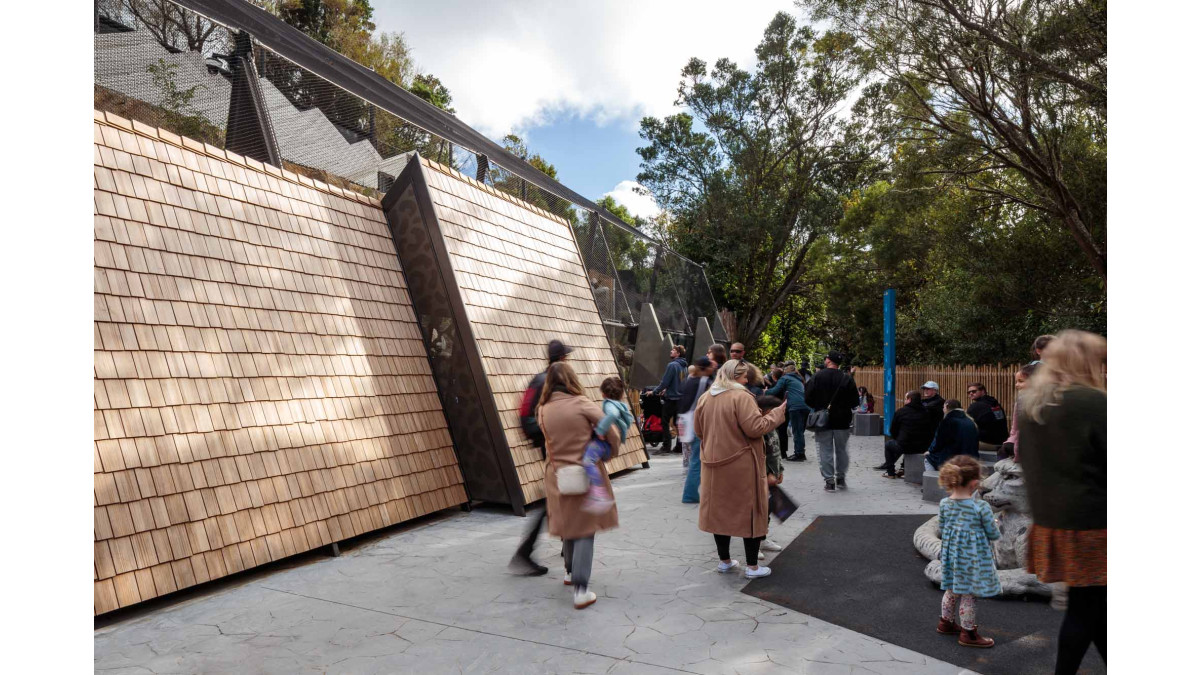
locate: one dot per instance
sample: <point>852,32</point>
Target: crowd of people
<point>731,422</point>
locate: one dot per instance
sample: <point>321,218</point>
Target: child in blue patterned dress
<point>615,412</point>
<point>966,527</point>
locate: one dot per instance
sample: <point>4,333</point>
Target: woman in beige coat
<point>733,472</point>
<point>567,418</point>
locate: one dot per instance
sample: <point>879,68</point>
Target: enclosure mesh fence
<point>166,66</point>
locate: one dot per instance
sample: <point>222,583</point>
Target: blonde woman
<point>1064,454</point>
<point>733,469</point>
<point>567,417</point>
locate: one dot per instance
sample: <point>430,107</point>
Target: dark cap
<point>556,350</point>
<point>703,362</point>
<point>836,357</point>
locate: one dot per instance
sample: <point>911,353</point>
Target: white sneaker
<point>567,579</point>
<point>762,571</point>
<point>768,545</point>
<point>584,598</point>
<point>725,567</point>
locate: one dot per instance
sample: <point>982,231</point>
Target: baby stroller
<point>652,424</point>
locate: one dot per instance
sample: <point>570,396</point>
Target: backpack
<point>528,411</point>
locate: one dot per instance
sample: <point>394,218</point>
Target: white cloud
<point>639,205</point>
<point>510,66</point>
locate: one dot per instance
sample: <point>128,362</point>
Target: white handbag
<point>572,480</point>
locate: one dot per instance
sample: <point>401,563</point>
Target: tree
<point>756,190</point>
<point>1005,98</point>
<point>432,91</point>
<point>174,27</point>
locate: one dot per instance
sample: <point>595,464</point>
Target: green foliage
<point>432,91</point>
<point>970,175</point>
<point>176,103</point>
<point>755,189</point>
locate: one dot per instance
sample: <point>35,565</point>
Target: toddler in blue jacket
<point>616,412</point>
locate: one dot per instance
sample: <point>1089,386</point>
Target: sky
<point>573,78</point>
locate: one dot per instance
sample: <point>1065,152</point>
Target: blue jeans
<point>797,420</point>
<point>691,484</point>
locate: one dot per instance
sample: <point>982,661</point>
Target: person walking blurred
<point>1063,420</point>
<point>733,468</point>
<point>522,561</point>
<point>568,418</point>
<point>835,390</point>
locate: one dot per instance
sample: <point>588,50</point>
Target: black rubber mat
<point>862,573</point>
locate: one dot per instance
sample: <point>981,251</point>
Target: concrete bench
<point>868,424</point>
<point>932,492</point>
<point>914,466</point>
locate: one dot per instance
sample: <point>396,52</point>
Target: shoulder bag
<point>818,420</point>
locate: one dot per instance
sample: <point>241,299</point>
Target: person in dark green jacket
<point>792,387</point>
<point>1063,423</point>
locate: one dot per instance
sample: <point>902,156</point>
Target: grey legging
<point>577,556</point>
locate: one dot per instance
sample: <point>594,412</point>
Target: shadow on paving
<point>862,573</point>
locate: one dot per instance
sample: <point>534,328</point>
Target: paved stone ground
<point>434,597</point>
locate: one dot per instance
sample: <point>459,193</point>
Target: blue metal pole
<point>889,357</point>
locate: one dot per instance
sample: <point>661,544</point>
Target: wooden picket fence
<point>999,380</point>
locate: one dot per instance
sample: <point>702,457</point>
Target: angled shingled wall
<point>261,385</point>
<point>513,280</point>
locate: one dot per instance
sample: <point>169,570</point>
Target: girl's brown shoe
<point>948,627</point>
<point>971,638</point>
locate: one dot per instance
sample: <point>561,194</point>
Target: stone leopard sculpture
<point>1004,490</point>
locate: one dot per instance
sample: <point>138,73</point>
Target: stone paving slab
<point>434,596</point>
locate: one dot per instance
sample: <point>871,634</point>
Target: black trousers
<point>1086,622</point>
<point>670,415</point>
<point>892,452</point>
<point>750,544</point>
<point>525,550</point>
<point>783,439</point>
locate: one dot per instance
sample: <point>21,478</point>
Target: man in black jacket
<point>522,561</point>
<point>931,398</point>
<point>910,433</point>
<point>989,417</point>
<point>833,389</point>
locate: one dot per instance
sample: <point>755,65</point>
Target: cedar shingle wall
<point>261,387</point>
<point>523,284</point>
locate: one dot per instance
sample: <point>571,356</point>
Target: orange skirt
<point>1073,557</point>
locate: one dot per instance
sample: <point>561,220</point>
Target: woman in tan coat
<point>733,472</point>
<point>567,418</point>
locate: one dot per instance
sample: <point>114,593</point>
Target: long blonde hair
<point>1075,358</point>
<point>726,378</point>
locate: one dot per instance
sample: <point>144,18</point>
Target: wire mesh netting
<point>162,64</point>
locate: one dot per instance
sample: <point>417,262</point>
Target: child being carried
<point>599,500</point>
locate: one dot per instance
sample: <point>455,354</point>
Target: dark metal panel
<point>483,453</point>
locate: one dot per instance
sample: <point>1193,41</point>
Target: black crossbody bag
<point>818,420</point>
